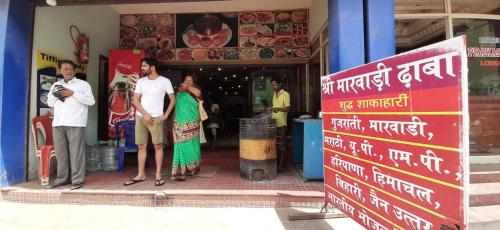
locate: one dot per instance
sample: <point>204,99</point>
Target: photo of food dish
<point>46,85</point>
<point>146,43</point>
<point>127,43</point>
<point>46,82</point>
<point>247,42</point>
<point>283,41</point>
<point>199,54</point>
<point>147,31</point>
<point>250,29</point>
<point>128,32</point>
<point>299,16</point>
<point>166,43</point>
<point>231,54</point>
<point>300,29</point>
<point>165,20</point>
<point>128,20</point>
<point>265,17</point>
<point>165,55</point>
<point>192,39</point>
<point>284,53</point>
<point>151,52</point>
<point>248,18</point>
<point>47,78</point>
<point>265,41</point>
<point>265,29</point>
<point>215,54</point>
<point>248,54</point>
<point>302,52</point>
<point>43,98</point>
<point>283,16</point>
<point>283,28</point>
<point>146,20</point>
<point>301,41</point>
<point>184,54</point>
<point>165,31</point>
<point>266,53</point>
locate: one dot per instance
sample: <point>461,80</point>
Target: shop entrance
<point>231,93</point>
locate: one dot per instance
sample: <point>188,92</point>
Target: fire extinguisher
<point>81,45</point>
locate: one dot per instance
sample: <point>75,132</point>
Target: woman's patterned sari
<point>186,136</point>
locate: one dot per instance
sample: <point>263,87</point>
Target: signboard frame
<point>401,88</point>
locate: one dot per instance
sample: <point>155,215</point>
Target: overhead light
<point>51,2</point>
<point>225,78</point>
<point>234,75</point>
<point>220,69</point>
<point>201,69</point>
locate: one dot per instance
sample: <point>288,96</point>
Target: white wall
<point>318,15</point>
<point>51,35</point>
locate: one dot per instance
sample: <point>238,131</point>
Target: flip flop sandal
<point>131,182</point>
<point>159,182</point>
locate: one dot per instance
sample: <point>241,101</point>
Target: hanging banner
<point>396,139</point>
<point>218,36</point>
<point>124,71</point>
<point>47,75</point>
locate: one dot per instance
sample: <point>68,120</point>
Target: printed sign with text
<point>396,139</point>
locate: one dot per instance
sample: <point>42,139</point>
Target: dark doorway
<point>238,92</point>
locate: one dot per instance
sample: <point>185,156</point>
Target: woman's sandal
<point>159,182</point>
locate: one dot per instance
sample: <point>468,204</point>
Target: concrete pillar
<point>380,33</point>
<point>359,31</point>
<point>346,39</point>
<point>16,28</point>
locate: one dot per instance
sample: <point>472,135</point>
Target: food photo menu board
<point>155,34</point>
<point>202,37</point>
<point>263,35</point>
<point>269,35</point>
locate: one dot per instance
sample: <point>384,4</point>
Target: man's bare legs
<point>141,159</point>
<point>159,160</point>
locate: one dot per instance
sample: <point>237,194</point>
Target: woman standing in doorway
<point>186,131</point>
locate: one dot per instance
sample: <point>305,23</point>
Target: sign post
<point>396,139</point>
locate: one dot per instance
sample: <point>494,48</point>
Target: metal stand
<point>323,214</point>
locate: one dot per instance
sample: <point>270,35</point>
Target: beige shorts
<point>142,131</point>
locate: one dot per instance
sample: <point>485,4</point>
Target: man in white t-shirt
<point>148,100</point>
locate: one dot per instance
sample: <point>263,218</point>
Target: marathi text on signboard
<point>395,139</point>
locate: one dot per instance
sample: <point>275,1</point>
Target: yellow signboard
<point>47,75</point>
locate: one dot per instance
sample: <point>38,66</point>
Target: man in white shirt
<point>70,98</point>
<point>148,100</point>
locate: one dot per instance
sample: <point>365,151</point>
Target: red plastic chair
<point>43,125</point>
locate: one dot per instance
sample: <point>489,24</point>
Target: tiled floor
<point>227,177</point>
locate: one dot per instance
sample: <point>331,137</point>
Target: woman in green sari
<point>186,131</point>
